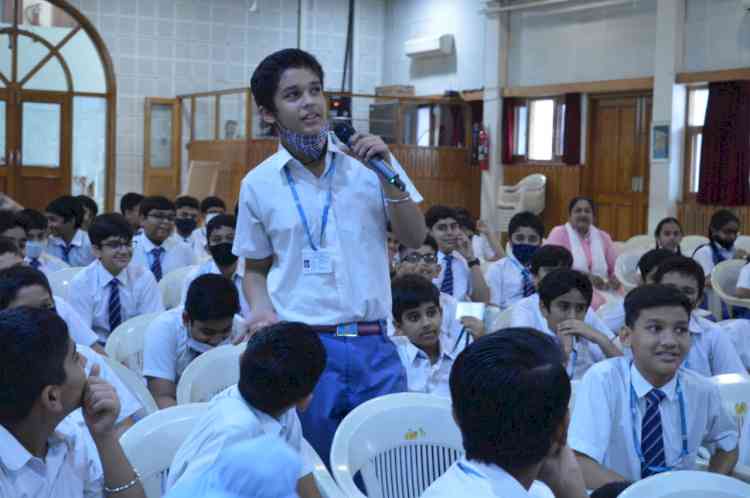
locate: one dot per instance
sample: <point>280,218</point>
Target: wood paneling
<point>695,217</point>
<point>563,183</point>
<point>606,86</point>
<point>740,73</point>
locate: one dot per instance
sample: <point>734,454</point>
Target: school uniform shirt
<point>712,351</point>
<point>229,420</point>
<point>744,457</point>
<point>422,375</point>
<point>211,267</point>
<point>704,256</point>
<point>450,325</point>
<point>47,264</point>
<point>80,249</point>
<point>81,333</point>
<point>90,292</point>
<point>482,248</point>
<point>461,275</point>
<point>176,254</point>
<point>167,351</point>
<point>602,423</point>
<point>70,469</point>
<point>505,280</point>
<point>737,331</point>
<point>269,224</point>
<point>197,242</point>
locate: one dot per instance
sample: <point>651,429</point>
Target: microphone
<point>344,132</point>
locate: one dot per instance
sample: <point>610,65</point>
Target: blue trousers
<point>358,369</point>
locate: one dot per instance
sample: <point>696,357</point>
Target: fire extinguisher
<point>483,153</point>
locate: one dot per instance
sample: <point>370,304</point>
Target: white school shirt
<point>71,468</point>
<point>359,288</point>
<point>602,422</point>
<point>461,275</point>
<point>90,291</point>
<point>176,254</point>
<point>505,280</point>
<point>77,328</point>
<point>482,248</point>
<point>712,351</point>
<point>744,457</point>
<point>705,258</point>
<point>166,352</point>
<point>211,267</point>
<point>743,281</point>
<point>738,333</point>
<point>80,254</point>
<point>450,324</point>
<point>48,264</point>
<point>229,420</point>
<point>422,375</point>
<point>197,242</point>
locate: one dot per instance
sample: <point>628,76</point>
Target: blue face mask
<point>312,147</point>
<point>524,252</point>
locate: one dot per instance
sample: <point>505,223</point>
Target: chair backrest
<point>151,444</point>
<point>640,242</point>
<point>690,243</point>
<point>724,281</point>
<point>326,485</point>
<point>500,320</point>
<point>626,268</point>
<point>209,178</point>
<point>59,281</point>
<point>400,443</point>
<point>137,386</point>
<point>735,393</point>
<point>688,484</point>
<point>170,286</point>
<point>125,343</point>
<point>743,242</point>
<point>209,374</point>
<point>529,194</point>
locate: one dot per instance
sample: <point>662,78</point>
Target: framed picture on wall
<point>660,141</point>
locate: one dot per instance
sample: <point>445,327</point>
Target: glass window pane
<point>232,116</point>
<point>695,168</point>
<point>30,53</point>
<point>89,147</point>
<point>541,132</point>
<point>380,117</point>
<point>205,118</point>
<point>161,136</point>
<point>50,77</point>
<point>261,129</point>
<point>423,126</point>
<point>40,136</point>
<point>697,106</point>
<point>5,55</point>
<point>85,65</point>
<point>519,142</point>
<point>560,131</point>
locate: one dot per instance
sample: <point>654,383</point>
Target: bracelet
<point>474,262</point>
<point>399,200</point>
<point>126,486</point>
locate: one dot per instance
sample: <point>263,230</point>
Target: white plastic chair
<point>626,268</point>
<point>59,281</point>
<point>737,329</point>
<point>687,484</point>
<point>724,283</point>
<point>137,386</point>
<point>619,246</point>
<point>151,444</point>
<point>171,284</point>
<point>690,243</point>
<point>640,242</point>
<point>743,242</point>
<point>400,443</point>
<point>324,480</point>
<point>125,344</point>
<point>209,374</point>
<point>527,195</point>
<point>608,309</point>
<point>501,320</point>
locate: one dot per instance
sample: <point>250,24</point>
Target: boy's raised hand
<point>474,325</point>
<point>465,247</point>
<point>100,405</point>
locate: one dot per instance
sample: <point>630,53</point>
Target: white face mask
<point>34,249</point>
<point>202,347</point>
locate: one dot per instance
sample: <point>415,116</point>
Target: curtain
<point>509,107</point>
<point>572,136</point>
<point>725,152</point>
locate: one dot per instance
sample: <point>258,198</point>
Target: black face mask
<point>185,226</point>
<point>726,244</point>
<point>222,254</point>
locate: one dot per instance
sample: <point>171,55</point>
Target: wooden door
<point>161,150</point>
<point>7,152</point>
<point>617,172</point>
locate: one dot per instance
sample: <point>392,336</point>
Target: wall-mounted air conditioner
<point>745,4</point>
<point>429,46</point>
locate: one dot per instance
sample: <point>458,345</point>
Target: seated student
<point>668,235</point>
<point>67,241</point>
<point>112,289</point>
<point>635,417</point>
<point>460,274</point>
<point>712,352</point>
<point>130,208</point>
<point>485,243</point>
<point>13,227</point>
<point>90,211</point>
<point>154,248</point>
<point>510,398</point>
<point>180,335</point>
<point>220,231</point>
<point>278,371</point>
<point>527,312</point>
<point>210,207</point>
<point>10,255</point>
<point>509,278</point>
<point>188,214</point>
<point>36,243</point>
<point>42,451</point>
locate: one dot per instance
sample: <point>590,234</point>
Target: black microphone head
<point>343,131</point>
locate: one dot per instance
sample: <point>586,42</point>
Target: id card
<point>317,262</point>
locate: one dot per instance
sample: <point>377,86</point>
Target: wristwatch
<point>474,262</point>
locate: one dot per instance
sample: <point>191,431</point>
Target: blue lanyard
<point>301,211</point>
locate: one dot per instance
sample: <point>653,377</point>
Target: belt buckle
<point>347,330</point>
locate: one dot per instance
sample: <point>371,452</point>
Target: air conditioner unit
<point>745,4</point>
<point>429,46</point>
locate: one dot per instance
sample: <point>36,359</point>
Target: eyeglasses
<point>169,218</point>
<point>416,257</point>
<point>115,246</point>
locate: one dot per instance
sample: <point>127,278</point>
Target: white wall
<point>717,35</point>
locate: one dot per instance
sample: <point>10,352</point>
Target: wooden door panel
<point>161,147</point>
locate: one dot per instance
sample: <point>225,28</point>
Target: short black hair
<point>281,366</point>
<point>109,225</point>
<point>266,77</point>
<point>410,291</point>
<point>10,219</point>
<point>130,201</point>
<point>68,208</point>
<point>575,201</point>
<point>218,221</point>
<point>437,213</point>
<point>89,204</point>
<point>211,297</point>
<point>429,240</point>
<point>653,296</point>
<point>186,201</point>
<point>721,218</point>
<point>550,256</point>
<point>15,278</point>
<point>682,265</point>
<point>9,245</point>
<point>663,222</point>
<point>611,490</point>
<point>652,259</point>
<point>510,396</point>
<point>33,346</point>
<point>526,219</point>
<point>33,219</point>
<point>156,202</point>
<point>212,201</point>
<point>561,281</point>
<point>466,222</point>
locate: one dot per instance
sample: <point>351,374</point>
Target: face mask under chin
<point>310,147</point>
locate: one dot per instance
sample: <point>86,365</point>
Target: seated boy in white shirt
<point>637,417</point>
<point>130,208</point>
<point>67,241</point>
<point>37,236</point>
<point>211,206</point>
<point>41,452</point>
<point>178,336</point>
<point>155,249</point>
<point>510,398</point>
<point>113,289</point>
<point>509,278</point>
<point>278,371</point>
<point>187,218</point>
<point>10,255</point>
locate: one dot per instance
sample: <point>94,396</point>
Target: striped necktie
<point>35,263</point>
<point>652,438</point>
<point>156,264</point>
<point>115,312</point>
<point>66,248</point>
<point>446,285</point>
<point>527,283</point>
